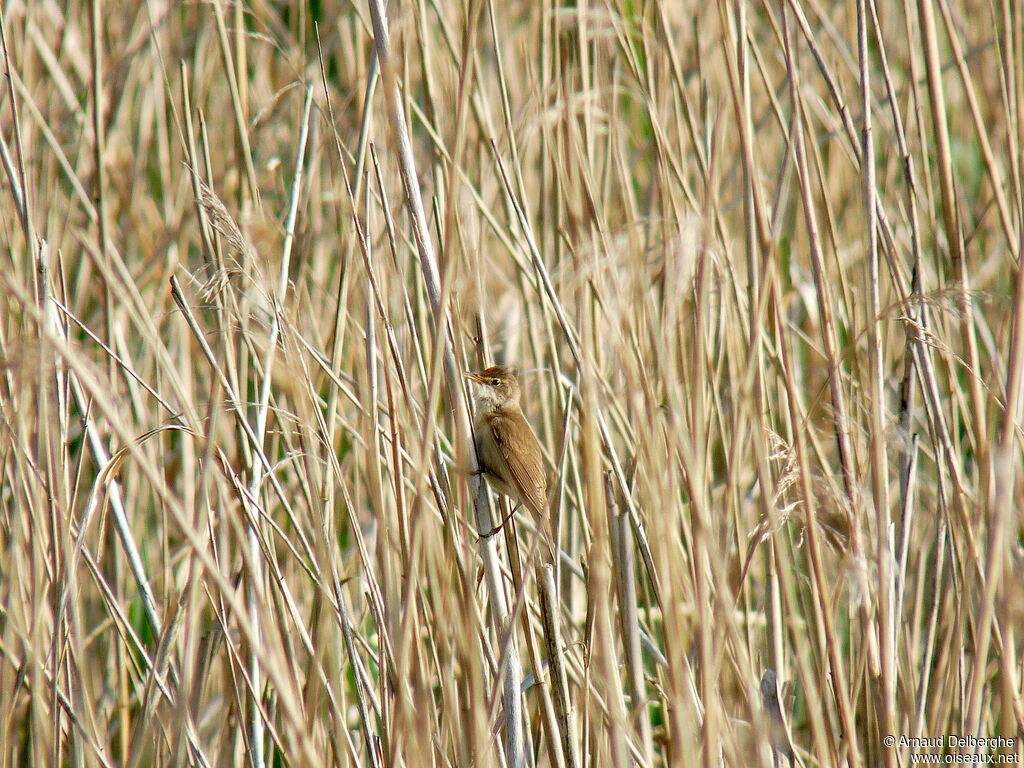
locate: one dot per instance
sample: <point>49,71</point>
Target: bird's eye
<point>495,382</point>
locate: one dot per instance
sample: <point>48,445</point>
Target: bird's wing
<point>511,436</point>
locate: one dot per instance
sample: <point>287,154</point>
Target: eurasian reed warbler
<point>509,452</point>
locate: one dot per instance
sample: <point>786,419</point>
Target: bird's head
<point>497,387</point>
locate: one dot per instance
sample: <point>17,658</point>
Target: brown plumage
<point>509,452</point>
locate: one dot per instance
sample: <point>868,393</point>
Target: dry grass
<point>773,344</point>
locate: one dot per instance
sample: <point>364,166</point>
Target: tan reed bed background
<point>756,260</point>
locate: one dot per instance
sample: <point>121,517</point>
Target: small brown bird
<point>508,449</point>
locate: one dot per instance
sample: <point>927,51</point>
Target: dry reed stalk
<point>761,261</point>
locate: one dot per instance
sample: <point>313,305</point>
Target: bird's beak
<point>473,377</point>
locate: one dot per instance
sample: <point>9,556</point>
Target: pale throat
<point>487,400</point>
